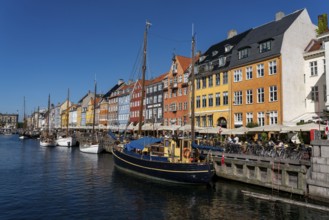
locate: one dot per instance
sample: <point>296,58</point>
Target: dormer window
<point>243,53</point>
<point>174,67</point>
<point>221,61</point>
<point>214,53</point>
<point>202,58</point>
<point>265,46</point>
<point>228,48</point>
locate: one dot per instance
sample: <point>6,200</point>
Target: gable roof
<point>272,31</point>
<point>158,79</point>
<point>184,62</point>
<point>113,89</point>
<point>218,50</point>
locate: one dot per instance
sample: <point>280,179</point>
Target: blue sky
<point>48,46</point>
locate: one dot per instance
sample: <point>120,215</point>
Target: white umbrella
<point>237,131</point>
<point>212,130</point>
<point>275,127</point>
<point>306,127</point>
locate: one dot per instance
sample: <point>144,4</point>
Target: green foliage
<point>252,125</point>
<point>264,137</point>
<point>322,24</point>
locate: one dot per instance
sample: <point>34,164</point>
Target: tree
<point>322,24</point>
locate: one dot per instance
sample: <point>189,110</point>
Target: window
<point>238,119</point>
<point>243,53</point>
<point>260,95</point>
<point>273,116</point>
<point>204,121</point>
<point>221,61</point>
<point>261,118</point>
<point>180,78</point>
<point>204,101</point>
<point>179,92</point>
<point>249,117</point>
<point>237,75</point>
<point>159,98</point>
<point>180,106</point>
<point>185,91</point>
<point>314,94</point>
<point>238,98</point>
<point>160,87</point>
<point>249,96</point>
<point>249,72</point>
<point>210,120</point>
<point>225,98</point>
<point>217,79</point>
<point>273,93</point>
<point>225,78</point>
<point>272,67</point>
<point>210,100</point>
<point>198,84</point>
<point>185,105</point>
<point>159,112</point>
<point>210,82</point>
<point>198,101</point>
<point>228,48</point>
<point>218,99</point>
<point>198,121</point>
<point>204,82</point>
<point>260,70</point>
<point>324,65</point>
<point>264,46</point>
<point>325,93</point>
<point>314,68</point>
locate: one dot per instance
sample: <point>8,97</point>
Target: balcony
<point>174,72</point>
<point>165,87</point>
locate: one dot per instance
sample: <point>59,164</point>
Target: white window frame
<point>260,70</point>
<point>260,95</point>
<point>249,97</point>
<point>237,75</point>
<point>248,72</point>
<point>272,67</point>
<point>273,92</point>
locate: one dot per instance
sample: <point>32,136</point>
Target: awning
<point>142,142</point>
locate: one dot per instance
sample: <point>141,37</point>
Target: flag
<point>223,159</point>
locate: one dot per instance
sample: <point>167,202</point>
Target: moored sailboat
<point>162,159</point>
<point>93,145</point>
<point>66,140</point>
<point>47,140</point>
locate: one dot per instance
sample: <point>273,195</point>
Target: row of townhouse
<point>266,75</point>
<point>271,74</point>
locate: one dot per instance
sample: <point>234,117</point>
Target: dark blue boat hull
<point>174,172</point>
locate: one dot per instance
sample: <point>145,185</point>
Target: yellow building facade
<point>256,93</point>
<point>211,99</point>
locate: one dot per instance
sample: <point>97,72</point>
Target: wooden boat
<point>46,140</point>
<point>161,159</point>
<point>156,163</point>
<point>92,146</point>
<point>66,140</point>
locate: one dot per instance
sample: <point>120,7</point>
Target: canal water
<point>63,183</point>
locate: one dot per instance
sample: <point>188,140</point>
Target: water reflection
<point>57,182</point>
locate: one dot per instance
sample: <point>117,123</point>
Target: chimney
<point>120,81</point>
<point>279,16</point>
<point>231,33</point>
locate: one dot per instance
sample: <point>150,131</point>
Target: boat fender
<point>186,152</point>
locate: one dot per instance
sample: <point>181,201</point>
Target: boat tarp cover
<point>204,147</point>
<point>112,135</point>
<point>142,142</point>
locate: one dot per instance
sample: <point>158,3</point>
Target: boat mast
<point>94,113</point>
<point>67,112</point>
<point>148,24</point>
<point>48,114</point>
<point>193,92</point>
<point>24,120</point>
